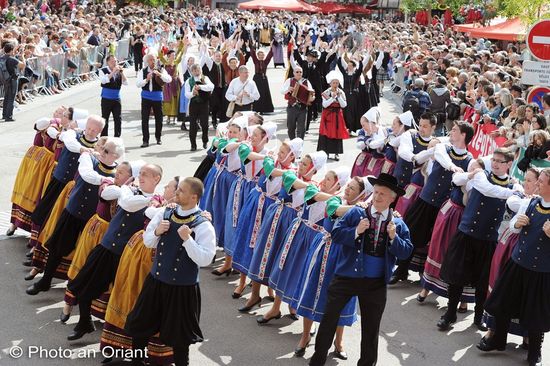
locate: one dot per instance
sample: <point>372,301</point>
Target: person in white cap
<point>332,129</point>
<point>401,123</point>
<point>318,161</point>
<point>370,140</point>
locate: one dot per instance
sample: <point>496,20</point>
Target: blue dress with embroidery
<point>206,200</point>
<point>220,195</point>
<point>279,215</point>
<point>240,188</point>
<point>250,218</point>
<point>311,294</point>
<point>291,257</point>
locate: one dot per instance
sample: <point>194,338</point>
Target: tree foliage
<point>153,3</point>
<point>529,11</point>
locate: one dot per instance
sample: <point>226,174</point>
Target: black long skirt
<point>467,261</point>
<point>44,207</point>
<point>96,275</point>
<point>204,167</point>
<point>174,311</point>
<point>420,220</point>
<point>522,294</point>
<point>65,235</point>
<point>351,112</point>
<point>265,103</point>
<point>330,146</point>
<point>367,97</point>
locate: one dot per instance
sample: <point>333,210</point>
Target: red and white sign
<point>483,143</point>
<point>536,94</point>
<point>538,40</point>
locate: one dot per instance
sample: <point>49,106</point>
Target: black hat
<point>313,53</point>
<point>389,181</point>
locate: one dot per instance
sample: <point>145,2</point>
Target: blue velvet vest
<point>121,228</point>
<point>439,184</point>
<point>533,248</point>
<point>67,165</point>
<point>172,264</point>
<point>483,215</point>
<point>404,169</point>
<point>85,196</point>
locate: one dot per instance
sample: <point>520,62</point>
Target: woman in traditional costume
<point>333,127</point>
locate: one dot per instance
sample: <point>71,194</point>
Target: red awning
<point>510,30</point>
<point>334,8</point>
<point>275,5</point>
<point>357,9</point>
<point>331,8</point>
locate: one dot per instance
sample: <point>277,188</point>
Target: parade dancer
<point>197,89</point>
<point>170,301</point>
<point>295,110</point>
<point>261,61</point>
<point>468,259</point>
<point>100,268</point>
<point>523,287</point>
<point>151,80</point>
<point>81,207</point>
<point>449,158</point>
<point>370,131</point>
<point>372,239</point>
<point>112,78</point>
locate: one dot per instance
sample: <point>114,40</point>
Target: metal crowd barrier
<point>55,69</point>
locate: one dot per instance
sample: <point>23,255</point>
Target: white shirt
<point>141,82</point>
<point>443,158</point>
<point>104,78</point>
<point>69,140</point>
<point>86,170</point>
<point>406,146</point>
<point>201,250</point>
<point>483,186</point>
<point>236,88</point>
<point>131,202</point>
<point>341,99</point>
<point>207,86</point>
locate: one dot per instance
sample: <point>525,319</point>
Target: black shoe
<point>397,277</point>
<point>205,145</point>
<point>313,331</point>
<point>340,354</point>
<point>28,263</point>
<point>269,298</point>
<point>183,127</point>
<point>80,332</point>
<point>237,295</point>
<point>246,309</point>
<point>261,320</point>
<point>480,324</point>
<point>159,142</point>
<point>9,120</point>
<point>36,288</point>
<point>29,254</point>
<point>31,277</point>
<point>227,272</point>
<point>145,144</point>
<point>537,362</point>
<point>444,323</point>
<point>11,231</point>
<point>193,148</point>
<point>420,298</point>
<point>486,345</point>
<point>64,317</point>
<point>336,157</point>
<point>301,351</point>
<point>293,316</point>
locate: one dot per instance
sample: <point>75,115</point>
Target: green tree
<point>529,11</point>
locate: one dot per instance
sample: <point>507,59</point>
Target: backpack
<point>411,103</point>
<point>4,74</point>
<point>453,111</point>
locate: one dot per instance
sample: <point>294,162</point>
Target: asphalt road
<point>408,333</point>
